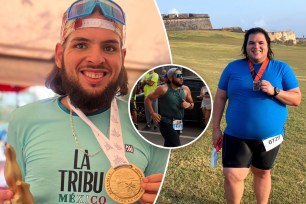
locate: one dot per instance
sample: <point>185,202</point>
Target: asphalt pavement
<point>190,133</point>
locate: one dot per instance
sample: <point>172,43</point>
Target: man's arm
<point>158,92</point>
<point>149,82</point>
<point>219,105</point>
<point>188,102</point>
<point>291,97</point>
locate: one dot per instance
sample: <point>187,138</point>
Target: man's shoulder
<point>122,105</point>
<point>237,62</point>
<point>155,74</point>
<point>121,101</point>
<point>186,89</point>
<point>275,62</point>
<point>27,111</point>
<point>163,87</point>
<point>235,66</point>
<point>39,103</point>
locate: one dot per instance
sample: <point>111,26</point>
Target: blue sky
<point>273,15</point>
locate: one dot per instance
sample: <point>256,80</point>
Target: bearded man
<point>174,98</point>
<point>71,148</point>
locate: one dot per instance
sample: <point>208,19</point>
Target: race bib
<point>178,125</point>
<point>272,142</point>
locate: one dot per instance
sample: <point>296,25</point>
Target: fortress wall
<point>187,22</point>
<point>287,38</point>
<point>190,21</point>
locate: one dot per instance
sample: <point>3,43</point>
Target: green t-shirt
<point>147,89</point>
<point>50,161</point>
<point>170,105</point>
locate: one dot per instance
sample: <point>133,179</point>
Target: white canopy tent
<point>29,31</point>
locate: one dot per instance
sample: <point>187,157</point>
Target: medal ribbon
<point>112,147</point>
<point>257,77</point>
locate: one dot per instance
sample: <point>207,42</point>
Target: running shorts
<point>241,153</point>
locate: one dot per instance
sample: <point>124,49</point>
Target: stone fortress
<point>287,38</point>
<point>187,21</point>
<point>190,21</point>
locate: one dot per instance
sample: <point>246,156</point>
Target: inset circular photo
<point>170,106</point>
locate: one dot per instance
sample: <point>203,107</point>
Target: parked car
<point>195,115</point>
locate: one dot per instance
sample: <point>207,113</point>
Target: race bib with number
<point>178,125</point>
<point>272,142</point>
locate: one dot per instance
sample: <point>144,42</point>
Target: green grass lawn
<point>189,178</point>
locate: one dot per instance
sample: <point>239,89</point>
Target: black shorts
<point>241,153</point>
<point>171,136</point>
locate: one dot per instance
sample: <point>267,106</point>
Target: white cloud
<point>173,10</point>
<point>261,23</point>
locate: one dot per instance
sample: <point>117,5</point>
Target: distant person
<point>174,98</point>
<point>205,104</point>
<point>258,88</point>
<point>163,77</point>
<point>150,82</point>
<point>133,107</point>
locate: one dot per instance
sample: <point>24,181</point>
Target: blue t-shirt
<point>254,114</point>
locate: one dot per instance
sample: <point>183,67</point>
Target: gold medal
<point>123,184</point>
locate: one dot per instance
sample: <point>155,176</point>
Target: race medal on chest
<point>256,85</point>
<point>257,77</point>
<point>123,180</point>
<point>123,184</point>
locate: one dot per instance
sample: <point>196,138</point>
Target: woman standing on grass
<point>257,88</point>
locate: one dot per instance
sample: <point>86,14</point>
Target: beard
<point>89,102</point>
<point>177,84</point>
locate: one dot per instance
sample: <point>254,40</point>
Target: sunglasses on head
<point>109,9</point>
<point>180,75</point>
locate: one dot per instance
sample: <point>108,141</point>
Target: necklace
<point>77,140</point>
<point>113,147</point>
